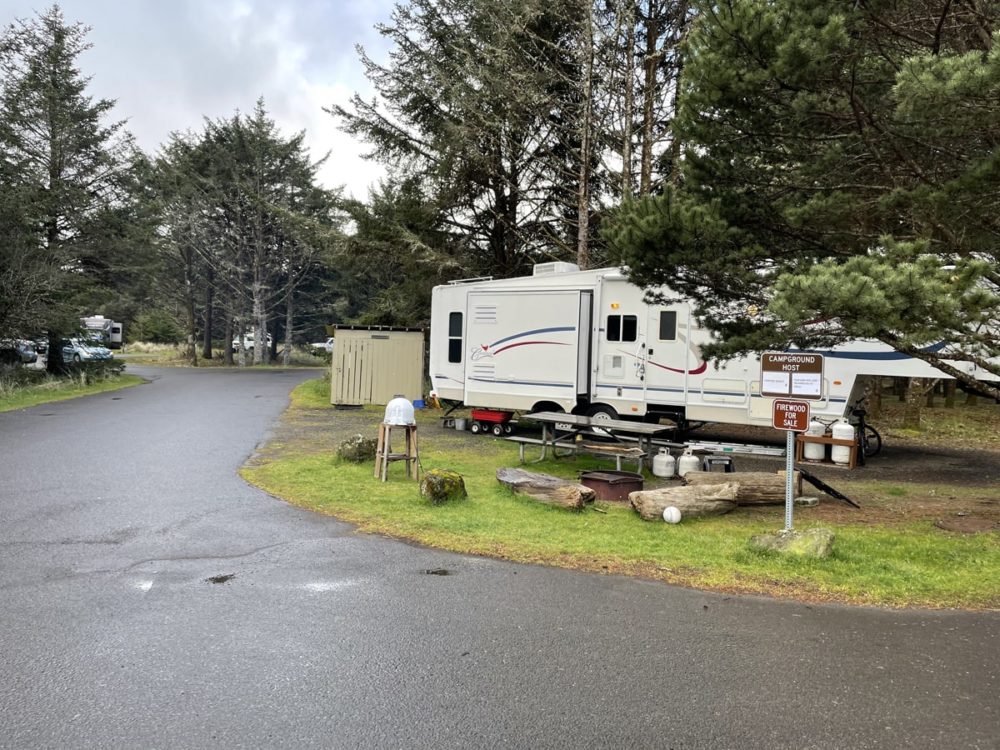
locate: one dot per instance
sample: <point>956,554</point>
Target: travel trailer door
<point>669,354</point>
<point>584,354</point>
<point>621,348</point>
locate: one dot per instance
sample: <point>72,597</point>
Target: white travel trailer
<point>109,331</point>
<point>586,342</point>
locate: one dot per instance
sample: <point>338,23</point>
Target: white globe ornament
<point>671,515</point>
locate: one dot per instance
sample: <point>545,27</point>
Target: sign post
<point>792,416</point>
<point>791,377</point>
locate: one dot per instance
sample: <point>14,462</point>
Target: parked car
<point>322,346</point>
<point>17,352</point>
<point>247,342</point>
<point>84,350</point>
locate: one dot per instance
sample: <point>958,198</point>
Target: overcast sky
<point>169,63</point>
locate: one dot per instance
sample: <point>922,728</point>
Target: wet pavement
<point>151,598</point>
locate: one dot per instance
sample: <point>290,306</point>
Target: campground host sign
<point>791,375</point>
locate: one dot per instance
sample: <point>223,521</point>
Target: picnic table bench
<point>577,429</point>
<point>601,450</point>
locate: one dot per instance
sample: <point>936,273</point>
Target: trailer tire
<point>601,411</point>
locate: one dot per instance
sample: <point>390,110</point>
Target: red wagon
<point>492,420</point>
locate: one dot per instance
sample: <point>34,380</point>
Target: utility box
<point>372,364</point>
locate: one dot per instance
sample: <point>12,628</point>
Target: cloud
<point>170,64</point>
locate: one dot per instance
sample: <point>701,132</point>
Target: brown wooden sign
<point>790,414</point>
<point>794,374</point>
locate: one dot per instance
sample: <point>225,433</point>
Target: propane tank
<point>663,464</point>
<point>815,451</point>
<point>688,462</point>
<point>842,430</point>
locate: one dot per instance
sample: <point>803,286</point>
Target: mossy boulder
<point>442,485</point>
<point>357,449</point>
<point>816,543</point>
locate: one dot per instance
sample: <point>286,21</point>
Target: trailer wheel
<point>498,430</point>
<point>476,428</point>
<point>601,413</point>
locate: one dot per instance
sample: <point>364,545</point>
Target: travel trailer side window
<point>455,337</point>
<point>668,325</point>
<point>614,328</point>
<point>622,328</point>
<point>630,328</point>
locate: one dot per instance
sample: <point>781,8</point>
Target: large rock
<point>812,543</point>
<point>357,449</point>
<point>441,485</point>
<point>692,502</point>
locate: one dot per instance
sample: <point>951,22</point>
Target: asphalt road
<point>117,512</point>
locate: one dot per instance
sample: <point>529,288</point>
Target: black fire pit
<point>612,485</point>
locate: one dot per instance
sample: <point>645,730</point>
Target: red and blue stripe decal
<point>496,348</point>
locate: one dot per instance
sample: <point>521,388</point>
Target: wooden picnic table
<point>572,426</point>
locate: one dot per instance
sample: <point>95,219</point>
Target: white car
<point>78,350</point>
<point>322,346</point>
<point>247,342</point>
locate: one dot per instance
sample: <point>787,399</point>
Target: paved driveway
<point>151,598</point>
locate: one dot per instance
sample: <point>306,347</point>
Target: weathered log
<point>546,489</point>
<point>754,487</point>
<point>692,502</point>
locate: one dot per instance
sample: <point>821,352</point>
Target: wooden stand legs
<point>384,455</point>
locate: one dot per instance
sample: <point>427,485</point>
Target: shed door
<point>352,373</point>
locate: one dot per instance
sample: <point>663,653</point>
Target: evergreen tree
<point>399,249</point>
<point>476,101</point>
<point>244,227</point>
<point>840,165</point>
<point>62,166</point>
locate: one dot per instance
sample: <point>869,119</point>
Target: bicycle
<point>869,439</point>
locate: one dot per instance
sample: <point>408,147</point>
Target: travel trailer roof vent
<point>546,269</point>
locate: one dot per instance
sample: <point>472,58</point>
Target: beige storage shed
<point>371,364</point>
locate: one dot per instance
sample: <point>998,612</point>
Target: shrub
<point>157,326</point>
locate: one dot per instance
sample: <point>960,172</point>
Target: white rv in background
<point>586,342</point>
<point>109,331</point>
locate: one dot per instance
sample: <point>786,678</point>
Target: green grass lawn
<point>60,389</point>
<point>909,564</point>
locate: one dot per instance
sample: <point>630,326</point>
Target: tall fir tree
<point>63,161</point>
<point>839,166</point>
<point>477,101</point>
<point>245,224</point>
